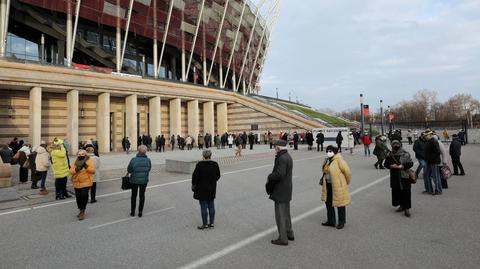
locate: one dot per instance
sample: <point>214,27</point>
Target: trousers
<point>82,197</point>
<point>283,220</point>
<point>133,201</point>
<point>207,209</point>
<point>331,210</point>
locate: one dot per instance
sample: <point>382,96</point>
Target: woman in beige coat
<point>335,192</point>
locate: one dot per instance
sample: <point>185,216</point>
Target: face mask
<point>81,158</point>
<point>330,154</point>
<point>396,147</point>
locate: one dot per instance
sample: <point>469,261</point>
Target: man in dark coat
<point>461,137</point>
<point>279,187</point>
<point>455,152</point>
<point>295,141</point>
<point>419,148</point>
<point>251,140</point>
<point>339,140</point>
<point>320,140</point>
<point>432,157</point>
<point>204,187</point>
<point>6,154</point>
<point>14,145</point>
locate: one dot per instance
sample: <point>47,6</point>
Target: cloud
<point>329,51</point>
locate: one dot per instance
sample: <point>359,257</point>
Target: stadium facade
<point>114,68</point>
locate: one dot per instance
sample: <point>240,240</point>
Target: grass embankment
<point>315,114</point>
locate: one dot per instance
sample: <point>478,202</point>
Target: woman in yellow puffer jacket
<point>82,171</point>
<point>335,192</point>
<point>60,169</point>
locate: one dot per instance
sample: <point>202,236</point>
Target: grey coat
<point>281,176</point>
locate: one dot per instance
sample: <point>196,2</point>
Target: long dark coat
<point>281,177</point>
<point>204,180</point>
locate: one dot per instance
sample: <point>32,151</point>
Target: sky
<point>327,52</point>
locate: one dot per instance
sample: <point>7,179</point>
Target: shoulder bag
<point>126,185</point>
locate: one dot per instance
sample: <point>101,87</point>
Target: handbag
<point>26,164</point>
<point>445,172</point>
<point>126,185</point>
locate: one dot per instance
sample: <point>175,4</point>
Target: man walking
<point>279,187</point>
<point>432,156</point>
<point>320,140</point>
<point>455,152</point>
<point>419,148</point>
<point>366,144</point>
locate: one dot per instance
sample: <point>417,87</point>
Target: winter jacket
<point>340,177</point>
<point>433,152</point>
<point>320,138</point>
<point>281,177</point>
<point>455,148</point>
<point>419,148</point>
<point>366,140</point>
<point>350,142</point>
<point>60,163</point>
<point>139,169</point>
<point>380,149</point>
<point>42,160</point>
<point>399,178</point>
<point>339,139</point>
<point>96,163</point>
<point>84,177</point>
<point>204,180</point>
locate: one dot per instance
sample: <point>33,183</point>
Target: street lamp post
<point>381,115</point>
<point>277,92</point>
<point>361,114</point>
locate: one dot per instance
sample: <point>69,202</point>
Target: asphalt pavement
<point>443,232</point>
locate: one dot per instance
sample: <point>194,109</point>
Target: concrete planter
<point>5,175</point>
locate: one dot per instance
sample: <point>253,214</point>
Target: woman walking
<point>335,192</point>
<point>60,169</point>
<point>380,151</point>
<point>139,169</point>
<point>82,172</point>
<point>204,187</point>
<point>96,176</point>
<point>399,161</point>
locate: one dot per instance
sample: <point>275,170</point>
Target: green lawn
<point>315,114</point>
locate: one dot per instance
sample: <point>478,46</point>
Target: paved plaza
<point>443,231</point>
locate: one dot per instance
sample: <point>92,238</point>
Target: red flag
<point>391,116</point>
<point>366,110</point>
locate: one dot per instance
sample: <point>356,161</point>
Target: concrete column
<point>184,79</point>
<point>244,87</point>
<point>131,120</point>
<point>72,121</point>
<point>154,108</point>
<point>69,34</point>
<point>103,122</point>
<point>205,72</point>
<point>208,118</point>
<point>35,117</point>
<point>234,82</point>
<point>222,118</point>
<point>193,118</point>
<point>3,12</point>
<point>175,117</point>
<point>220,71</point>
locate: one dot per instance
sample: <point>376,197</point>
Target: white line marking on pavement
<point>130,218</point>
<point>215,256</point>
<point>149,187</point>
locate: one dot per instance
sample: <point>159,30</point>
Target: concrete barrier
<point>5,175</point>
<point>184,165</point>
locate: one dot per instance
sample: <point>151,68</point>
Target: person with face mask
<point>399,161</point>
<point>335,191</point>
<point>82,172</point>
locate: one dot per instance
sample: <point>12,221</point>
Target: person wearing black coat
<point>455,152</point>
<point>419,147</point>
<point>339,141</point>
<point>251,140</point>
<point>398,161</point>
<point>204,187</point>
<point>320,140</point>
<point>295,141</point>
<point>433,159</point>
<point>279,187</point>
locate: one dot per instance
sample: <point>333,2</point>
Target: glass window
<point>93,37</point>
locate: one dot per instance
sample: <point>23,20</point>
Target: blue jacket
<point>139,168</point>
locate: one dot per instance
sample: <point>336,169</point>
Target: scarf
<point>80,164</point>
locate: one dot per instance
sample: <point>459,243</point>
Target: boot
<point>81,216</point>
<point>407,213</point>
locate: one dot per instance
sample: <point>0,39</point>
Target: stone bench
<point>5,175</point>
<point>184,165</point>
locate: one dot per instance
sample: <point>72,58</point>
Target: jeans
<point>283,220</point>
<point>367,149</point>
<point>82,197</point>
<point>422,164</point>
<point>133,200</point>
<point>42,177</point>
<point>331,210</point>
<point>207,209</point>
<point>434,173</point>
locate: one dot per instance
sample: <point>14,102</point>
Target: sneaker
<point>407,213</point>
<point>328,224</point>
<point>279,242</point>
<point>211,226</point>
<point>203,227</point>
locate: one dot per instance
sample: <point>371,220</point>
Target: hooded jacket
<point>42,160</point>
<point>340,176</point>
<point>60,162</point>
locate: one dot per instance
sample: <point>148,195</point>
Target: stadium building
<point>107,69</point>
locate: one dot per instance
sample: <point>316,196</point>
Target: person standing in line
<point>270,139</point>
<point>295,140</point>
<point>189,141</point>
<point>157,143</point>
<point>204,187</point>
<point>335,191</point>
<point>217,141</point>
<point>61,169</point>
<point>238,145</point>
<point>23,153</point>
<point>82,171</point>
<point>96,176</point>
<point>162,143</point>
<point>350,142</point>
<point>309,138</point>
<point>455,152</point>
<point>409,137</point>
<point>200,140</point>
<point>380,151</point>
<point>230,141</point>
<point>279,188</point>
<point>399,161</point>
<point>366,144</point>
<point>251,140</point>
<point>461,137</point>
<point>127,145</point>
<point>172,142</point>
<point>433,159</point>
<point>320,140</point>
<point>139,169</point>
<point>419,148</point>
<point>339,140</point>
<point>13,146</point>
<point>42,162</point>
